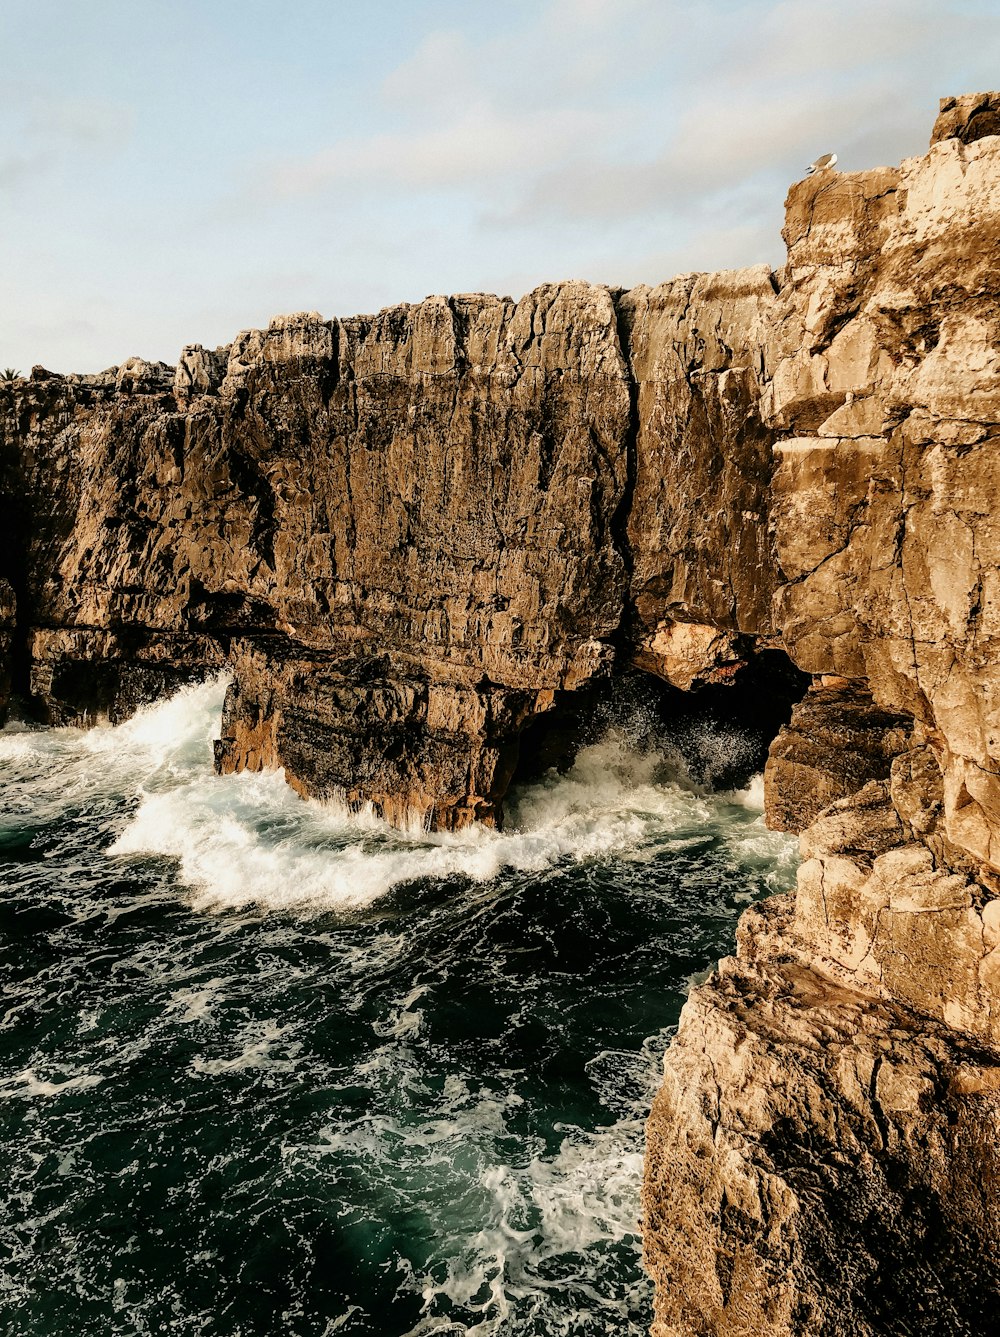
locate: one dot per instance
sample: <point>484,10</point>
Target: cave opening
<point>718,733</point>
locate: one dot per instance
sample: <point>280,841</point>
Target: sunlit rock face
<point>698,530</point>
<point>967,118</point>
<point>401,533</point>
<point>822,1153</point>
<point>411,538</point>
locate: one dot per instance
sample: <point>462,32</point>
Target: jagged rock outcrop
<point>822,1153</point>
<point>413,538</point>
<point>398,530</point>
<point>967,118</point>
<point>836,741</point>
<point>8,621</point>
<point>820,1161</point>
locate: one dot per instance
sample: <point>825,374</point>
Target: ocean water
<point>270,1068</point>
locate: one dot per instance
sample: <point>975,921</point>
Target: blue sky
<point>172,173</point>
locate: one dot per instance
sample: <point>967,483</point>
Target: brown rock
<point>698,523</point>
<point>967,118</point>
<point>427,498</point>
<point>819,1162</point>
<point>809,1170</point>
<point>689,654</point>
<point>836,742</point>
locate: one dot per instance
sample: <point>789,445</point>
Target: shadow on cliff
<point>719,735</point>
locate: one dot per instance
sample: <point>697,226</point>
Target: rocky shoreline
<point>420,542</point>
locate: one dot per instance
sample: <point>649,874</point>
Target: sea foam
<point>248,840</point>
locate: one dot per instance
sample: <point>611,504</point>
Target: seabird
<point>827,161</point>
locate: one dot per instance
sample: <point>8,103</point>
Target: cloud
<point>481,145</point>
<point>78,121</point>
<point>717,149</point>
<point>487,113</point>
<point>782,84</point>
<point>18,167</point>
<point>441,73</point>
<point>52,130</point>
<point>616,140</point>
<point>559,118</point>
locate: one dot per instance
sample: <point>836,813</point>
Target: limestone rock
<point>886,536</point>
<point>698,522</point>
<point>821,1156</point>
<point>967,118</point>
<point>8,617</point>
<point>689,654</point>
<point>199,372</point>
<point>819,1162</point>
<point>429,494</point>
<point>836,742</point>
<point>421,525</point>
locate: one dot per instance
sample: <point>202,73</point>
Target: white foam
<point>28,1085</point>
<point>517,1237</point>
<point>550,1210</point>
<point>196,1004</point>
<point>256,1053</point>
<point>247,841</point>
<point>518,1221</point>
<point>752,797</point>
<point>47,771</point>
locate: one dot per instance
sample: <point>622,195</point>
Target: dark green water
<point>265,1069</point>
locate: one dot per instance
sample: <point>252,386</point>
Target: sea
<point>270,1067</point>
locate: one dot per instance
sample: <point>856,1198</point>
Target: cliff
<point>408,535</point>
<point>419,540</point>
<point>822,1155</point>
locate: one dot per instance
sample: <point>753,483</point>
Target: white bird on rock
<point>823,164</point>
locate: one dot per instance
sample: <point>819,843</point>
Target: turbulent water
<point>267,1068</point>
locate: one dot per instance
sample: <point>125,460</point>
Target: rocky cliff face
<point>822,1152</point>
<point>415,539</point>
<point>407,535</point>
<point>399,530</point>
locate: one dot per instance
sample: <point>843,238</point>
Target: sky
<point>173,173</point>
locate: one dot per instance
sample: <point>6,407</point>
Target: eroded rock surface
<point>399,531</point>
<point>822,1157</point>
<point>819,1161</point>
<point>406,535</point>
<point>836,741</point>
<point>698,524</point>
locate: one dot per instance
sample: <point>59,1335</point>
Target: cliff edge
<point>407,536</point>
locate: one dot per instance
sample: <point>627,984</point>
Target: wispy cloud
<point>481,145</point>
<point>43,132</point>
<point>342,162</point>
<point>560,119</point>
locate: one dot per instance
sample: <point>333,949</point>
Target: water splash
<point>248,840</point>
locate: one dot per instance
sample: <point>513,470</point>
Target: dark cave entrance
<point>719,734</point>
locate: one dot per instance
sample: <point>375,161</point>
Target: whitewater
<point>271,1067</point>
